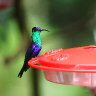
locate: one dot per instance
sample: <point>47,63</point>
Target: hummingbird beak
<point>45,30</point>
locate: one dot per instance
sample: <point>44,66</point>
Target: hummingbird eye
<point>36,29</point>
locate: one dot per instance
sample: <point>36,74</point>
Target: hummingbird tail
<point>24,69</point>
<point>21,72</point>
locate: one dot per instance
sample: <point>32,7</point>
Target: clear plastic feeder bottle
<point>75,66</point>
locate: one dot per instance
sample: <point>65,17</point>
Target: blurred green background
<point>71,23</point>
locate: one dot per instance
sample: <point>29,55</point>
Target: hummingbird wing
<point>31,52</point>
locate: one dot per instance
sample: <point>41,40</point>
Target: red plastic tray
<point>80,59</point>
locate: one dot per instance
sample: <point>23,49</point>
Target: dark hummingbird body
<point>33,49</point>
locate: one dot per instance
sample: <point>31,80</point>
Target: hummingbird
<point>33,50</point>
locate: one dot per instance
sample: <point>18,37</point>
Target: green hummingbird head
<point>36,35</point>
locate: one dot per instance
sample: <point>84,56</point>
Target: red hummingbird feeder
<point>75,66</point>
